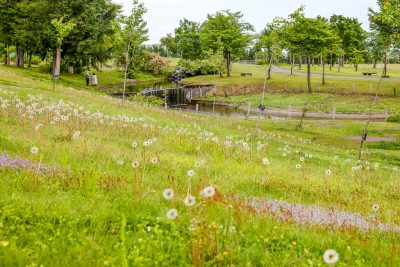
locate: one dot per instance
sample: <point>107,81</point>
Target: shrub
<point>196,67</point>
<point>394,118</point>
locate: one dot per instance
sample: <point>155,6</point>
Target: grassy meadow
<point>86,180</point>
<point>286,90</point>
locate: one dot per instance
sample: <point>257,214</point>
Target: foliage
<point>198,67</point>
<point>394,118</point>
<point>226,31</point>
<point>149,100</point>
<point>154,64</point>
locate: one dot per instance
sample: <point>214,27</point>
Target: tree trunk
<point>375,62</point>
<point>356,65</point>
<point>30,60</point>
<point>330,64</point>
<point>340,64</point>
<point>57,63</point>
<point>300,62</point>
<point>323,72</point>
<point>385,64</point>
<point>309,73</point>
<point>269,69</point>
<point>19,58</point>
<point>6,57</point>
<point>228,64</point>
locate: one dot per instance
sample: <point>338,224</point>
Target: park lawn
<point>115,213</point>
<point>237,85</point>
<point>393,70</point>
<point>316,102</point>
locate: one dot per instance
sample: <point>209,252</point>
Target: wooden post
<point>386,114</point>
<point>334,113</point>
<point>354,88</point>
<point>394,92</point>
<point>248,110</point>
<point>370,88</point>
<point>290,112</point>
<point>197,108</point>
<point>201,92</point>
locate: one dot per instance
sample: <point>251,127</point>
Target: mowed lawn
<point>284,91</point>
<point>87,181</point>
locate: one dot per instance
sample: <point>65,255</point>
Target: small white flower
<point>135,164</point>
<point>154,160</point>
<point>146,144</point>
<point>34,150</point>
<point>328,172</point>
<point>197,165</point>
<point>302,159</point>
<point>331,256</point>
<point>265,161</point>
<point>172,214</point>
<point>168,194</point>
<point>284,155</point>
<point>37,128</point>
<point>375,207</point>
<point>197,148</point>
<point>191,173</point>
<point>209,191</point>
<point>298,166</point>
<point>395,169</point>
<point>76,135</point>
<point>189,201</point>
<point>134,144</point>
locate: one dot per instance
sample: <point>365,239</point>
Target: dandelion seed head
<point>168,194</point>
<point>189,201</point>
<point>331,256</point>
<point>191,173</point>
<point>135,164</point>
<point>34,150</point>
<point>209,191</point>
<point>328,172</point>
<point>172,214</point>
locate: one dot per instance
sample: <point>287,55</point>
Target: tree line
<point>296,39</point>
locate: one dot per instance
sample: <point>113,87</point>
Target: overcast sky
<point>163,15</point>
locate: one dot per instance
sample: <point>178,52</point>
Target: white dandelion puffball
<point>198,148</point>
<point>189,201</point>
<point>76,135</point>
<point>34,150</point>
<point>328,172</point>
<point>284,155</point>
<point>146,144</point>
<point>302,159</point>
<point>120,162</point>
<point>135,164</point>
<point>375,207</point>
<point>154,160</point>
<point>265,161</point>
<point>172,214</point>
<point>331,256</point>
<point>134,144</point>
<point>37,128</point>
<point>209,191</point>
<point>298,166</point>
<point>168,194</point>
<point>191,173</point>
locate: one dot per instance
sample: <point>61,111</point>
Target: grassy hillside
<point>81,184</point>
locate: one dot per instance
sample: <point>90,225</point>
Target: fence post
<point>334,113</point>
<point>197,108</point>
<point>354,88</point>
<point>386,114</point>
<point>290,112</point>
<point>394,91</point>
<point>248,110</point>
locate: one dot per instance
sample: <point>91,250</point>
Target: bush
<point>154,64</point>
<point>196,67</point>
<point>394,118</point>
<point>150,100</point>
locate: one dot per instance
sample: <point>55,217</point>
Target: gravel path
<point>316,216</point>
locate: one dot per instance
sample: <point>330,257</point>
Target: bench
<point>246,74</point>
<point>369,73</point>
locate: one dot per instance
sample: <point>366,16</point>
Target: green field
<point>285,90</point>
<point>100,202</point>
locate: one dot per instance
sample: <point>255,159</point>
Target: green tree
<point>386,22</point>
<point>226,29</point>
<point>187,39</point>
<point>270,40</point>
<point>62,30</point>
<point>308,36</point>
